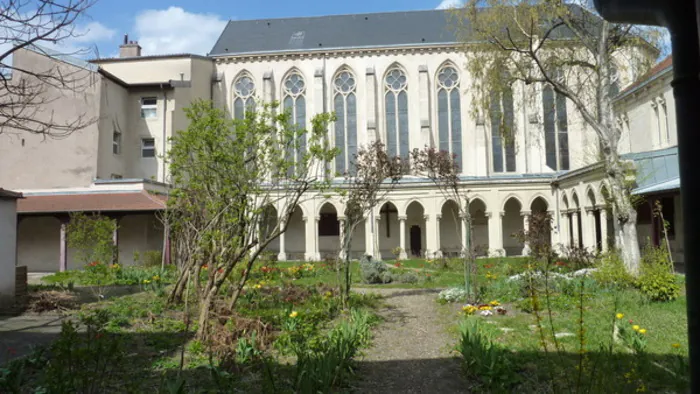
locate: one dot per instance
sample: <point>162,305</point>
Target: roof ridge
<point>335,15</point>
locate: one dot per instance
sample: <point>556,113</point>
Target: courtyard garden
<point>563,328</point>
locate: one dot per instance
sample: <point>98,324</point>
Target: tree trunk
<point>625,213</point>
<point>204,310</point>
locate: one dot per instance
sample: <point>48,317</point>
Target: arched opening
<point>480,227</point>
<point>576,226</point>
<point>451,239</point>
<point>415,222</point>
<point>512,226</point>
<point>388,230</point>
<point>593,221</point>
<point>609,219</point>
<point>328,231</point>
<point>295,236</point>
<point>539,217</point>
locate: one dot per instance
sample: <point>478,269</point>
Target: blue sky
<point>166,26</point>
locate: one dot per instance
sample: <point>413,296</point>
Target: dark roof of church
<point>376,30</point>
<point>335,31</point>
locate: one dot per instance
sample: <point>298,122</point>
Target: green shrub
<point>149,258</point>
<point>387,277</point>
<point>408,277</point>
<point>371,270</point>
<point>321,369</point>
<point>484,360</point>
<point>611,271</point>
<point>657,280</point>
<point>91,238</point>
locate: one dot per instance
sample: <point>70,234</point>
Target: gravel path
<point>410,350</point>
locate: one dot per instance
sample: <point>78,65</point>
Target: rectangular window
<point>148,147</point>
<point>116,142</point>
<point>149,106</point>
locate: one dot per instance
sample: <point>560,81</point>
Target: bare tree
<point>227,176</point>
<point>373,176</point>
<point>442,168</point>
<point>573,55</point>
<point>27,88</point>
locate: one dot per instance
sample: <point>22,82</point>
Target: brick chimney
<point>129,48</point>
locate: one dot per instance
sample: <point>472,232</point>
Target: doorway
<point>416,240</point>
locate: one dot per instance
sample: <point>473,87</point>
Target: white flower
<point>486,313</point>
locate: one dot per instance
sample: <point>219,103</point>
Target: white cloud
<point>92,32</point>
<point>175,30</point>
<point>447,4</point>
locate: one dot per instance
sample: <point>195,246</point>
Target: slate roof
<point>657,171</point>
<point>91,202</point>
<point>361,31</point>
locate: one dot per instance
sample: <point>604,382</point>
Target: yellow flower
<point>258,286</point>
<point>328,294</point>
<point>293,314</point>
<point>643,331</point>
<point>485,308</point>
<point>635,327</point>
<point>469,309</point>
<point>146,281</point>
<point>156,278</point>
<point>620,315</point>
<point>495,303</point>
<point>114,266</point>
<point>676,345</point>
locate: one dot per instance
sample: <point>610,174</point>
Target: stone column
<point>589,230</point>
<point>464,239</point>
<point>564,237</point>
<point>430,236</point>
<point>369,236</point>
<point>310,237</point>
<point>603,229</point>
<point>282,256</point>
<point>402,237</point>
<point>495,233</point>
<point>575,217</point>
<point>317,249</point>
<point>63,248</point>
<point>375,238</point>
<point>526,229</point>
<point>341,235</point>
<point>438,250</point>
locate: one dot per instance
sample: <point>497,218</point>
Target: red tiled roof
<point>92,202</point>
<point>657,69</point>
<point>4,193</point>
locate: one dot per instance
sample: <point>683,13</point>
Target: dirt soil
<point>411,350</point>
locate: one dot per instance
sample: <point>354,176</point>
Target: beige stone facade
<point>138,103</point>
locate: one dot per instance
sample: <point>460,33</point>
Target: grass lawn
<point>549,357</point>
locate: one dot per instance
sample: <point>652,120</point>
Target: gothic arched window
<point>449,113</point>
<point>243,95</point>
<point>294,102</point>
<point>345,107</point>
<point>502,131</point>
<point>556,132</point>
<point>396,112</point>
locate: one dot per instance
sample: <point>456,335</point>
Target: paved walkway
<point>411,349</point>
<point>19,334</point>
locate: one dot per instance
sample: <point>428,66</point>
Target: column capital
<point>525,213</point>
<point>589,210</point>
<point>317,218</point>
<point>402,218</point>
<point>601,207</point>
<point>341,218</point>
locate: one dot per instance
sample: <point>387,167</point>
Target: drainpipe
<point>681,18</point>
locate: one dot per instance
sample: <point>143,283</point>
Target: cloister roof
<point>91,202</point>
<point>657,171</point>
